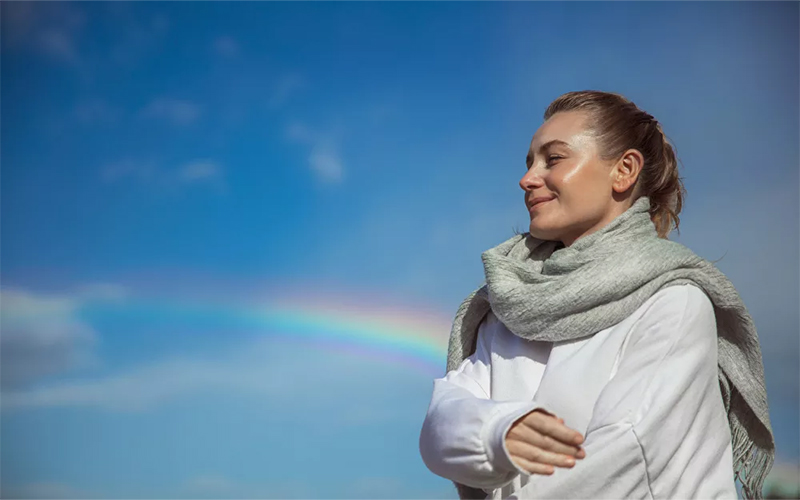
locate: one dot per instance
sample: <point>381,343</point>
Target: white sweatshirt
<point>644,394</point>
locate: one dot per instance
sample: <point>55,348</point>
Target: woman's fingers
<point>540,440</point>
<point>549,426</point>
<point>533,467</point>
<point>529,435</point>
<point>534,454</point>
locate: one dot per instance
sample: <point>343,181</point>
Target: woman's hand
<point>539,440</point>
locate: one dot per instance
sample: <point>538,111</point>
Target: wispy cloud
<point>194,172</point>
<point>253,367</point>
<point>284,87</point>
<point>326,163</point>
<point>137,36</point>
<point>59,44</point>
<point>220,486</point>
<point>211,484</point>
<point>144,171</point>
<point>199,170</point>
<point>19,21</point>
<point>51,30</point>
<point>176,111</point>
<point>45,490</point>
<point>323,157</point>
<point>96,110</point>
<point>225,46</point>
<point>43,334</point>
<point>375,486</point>
<point>359,486</point>
<point>144,387</point>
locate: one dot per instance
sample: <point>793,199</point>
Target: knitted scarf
<point>542,290</point>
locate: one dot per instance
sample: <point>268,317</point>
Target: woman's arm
<point>462,438</point>
<point>658,428</point>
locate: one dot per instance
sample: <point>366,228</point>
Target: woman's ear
<point>626,171</point>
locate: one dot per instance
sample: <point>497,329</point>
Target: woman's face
<point>564,166</point>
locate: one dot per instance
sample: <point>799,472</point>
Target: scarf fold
<point>542,290</point>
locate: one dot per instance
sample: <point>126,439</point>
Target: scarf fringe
<point>751,463</point>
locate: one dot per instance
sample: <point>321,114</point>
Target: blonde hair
<point>620,125</point>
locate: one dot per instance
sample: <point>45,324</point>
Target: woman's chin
<point>542,233</point>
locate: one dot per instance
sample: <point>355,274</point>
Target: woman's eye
<point>552,158</point>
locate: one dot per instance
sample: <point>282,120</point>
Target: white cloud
<point>299,132</point>
<point>210,483</point>
<point>46,490</point>
<point>59,44</point>
<point>211,486</point>
<point>219,486</point>
<point>176,111</point>
<point>198,171</point>
<point>136,37</point>
<point>20,19</point>
<point>326,163</point>
<point>96,110</point>
<point>323,158</point>
<point>159,24</point>
<point>51,29</point>
<point>42,335</point>
<point>283,88</point>
<point>226,46</point>
<point>376,487</point>
<point>201,171</point>
<point>252,367</point>
<point>380,113</point>
<point>143,387</point>
<point>144,171</point>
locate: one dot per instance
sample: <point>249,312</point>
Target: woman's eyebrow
<point>543,147</point>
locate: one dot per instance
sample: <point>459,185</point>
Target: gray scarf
<point>541,290</point>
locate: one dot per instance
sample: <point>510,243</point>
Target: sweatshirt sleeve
<point>659,427</point>
<point>462,437</point>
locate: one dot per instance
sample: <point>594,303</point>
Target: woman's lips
<point>538,204</point>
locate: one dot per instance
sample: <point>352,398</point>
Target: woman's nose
<point>530,180</point>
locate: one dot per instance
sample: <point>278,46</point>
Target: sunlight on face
<point>564,166</point>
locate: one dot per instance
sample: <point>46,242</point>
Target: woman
<point>600,359</point>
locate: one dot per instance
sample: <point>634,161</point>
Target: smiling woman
<point>589,158</point>
<point>600,359</point>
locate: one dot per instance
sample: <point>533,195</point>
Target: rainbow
<point>412,336</point>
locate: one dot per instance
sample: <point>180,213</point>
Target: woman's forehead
<point>560,126</point>
<point>566,129</point>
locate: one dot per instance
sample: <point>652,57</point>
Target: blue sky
<point>243,153</point>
